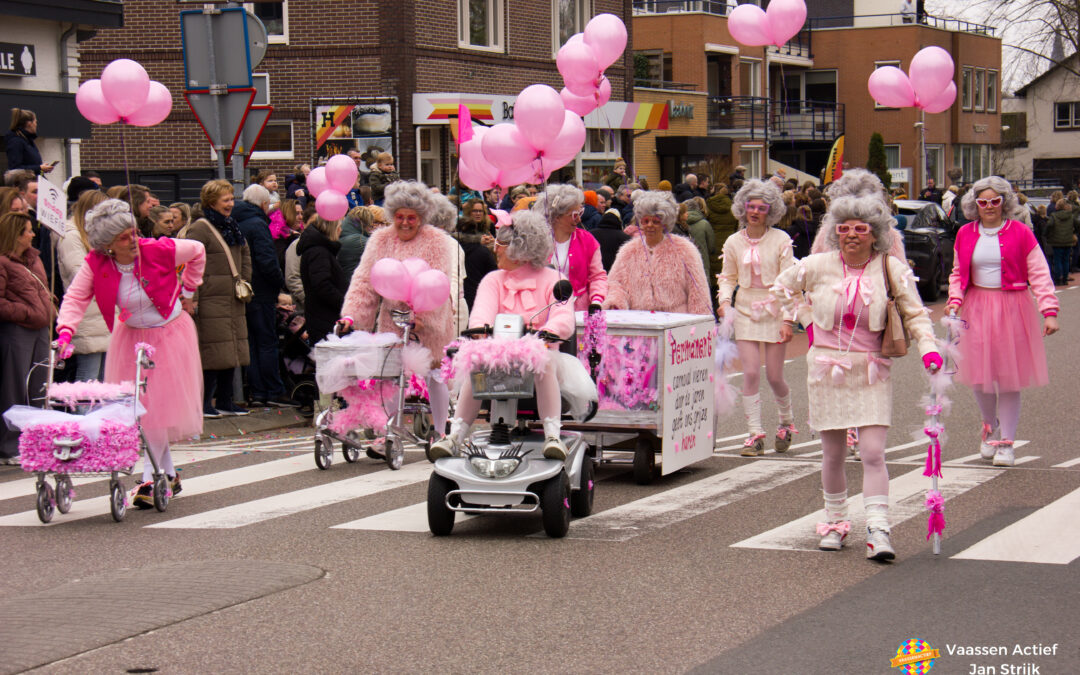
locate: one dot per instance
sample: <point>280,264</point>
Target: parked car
<point>929,235</point>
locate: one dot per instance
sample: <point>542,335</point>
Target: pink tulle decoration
<point>625,378</point>
<point>527,353</point>
<point>935,504</point>
<point>72,393</point>
<point>446,368</point>
<point>416,359</point>
<point>365,401</point>
<point>116,448</point>
<point>146,347</point>
<point>725,395</point>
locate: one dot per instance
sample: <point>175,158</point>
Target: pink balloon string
<point>935,504</point>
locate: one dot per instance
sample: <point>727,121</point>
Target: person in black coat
<point>22,152</point>
<point>609,232</point>
<point>479,260</point>
<point>265,385</point>
<point>324,281</point>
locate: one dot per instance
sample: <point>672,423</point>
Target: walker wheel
<point>323,453</point>
<point>351,453</point>
<point>161,492</point>
<point>63,494</point>
<point>395,453</point>
<point>45,502</point>
<point>117,501</point>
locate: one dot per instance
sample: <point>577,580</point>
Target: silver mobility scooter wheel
<point>581,500</point>
<point>555,505</point>
<point>440,517</point>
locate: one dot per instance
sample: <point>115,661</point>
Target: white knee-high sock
<point>877,512</point>
<point>752,410</point>
<point>784,404</point>
<point>836,507</point>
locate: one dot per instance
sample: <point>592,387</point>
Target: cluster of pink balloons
<point>411,281</point>
<point>753,27</point>
<point>547,131</point>
<point>124,93</point>
<point>330,184</point>
<point>928,85</point>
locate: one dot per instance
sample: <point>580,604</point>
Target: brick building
<point>327,55</point>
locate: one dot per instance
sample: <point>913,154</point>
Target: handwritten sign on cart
<point>689,412</point>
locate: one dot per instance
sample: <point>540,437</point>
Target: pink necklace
<point>849,318</point>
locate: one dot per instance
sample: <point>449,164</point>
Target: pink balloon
<point>786,19</point>
<point>90,101</point>
<point>943,101</point>
<point>331,205</point>
<point>606,34</point>
<point>570,140</point>
<point>530,173</point>
<point>582,105</point>
<point>125,85</point>
<point>316,181</point>
<point>538,114</point>
<point>603,92</point>
<point>430,290</point>
<point>390,279</point>
<point>341,173</point>
<point>415,266</point>
<point>157,108</point>
<point>931,70</point>
<point>481,176</point>
<point>891,88</point>
<point>578,66</point>
<point>749,26</point>
<point>505,147</point>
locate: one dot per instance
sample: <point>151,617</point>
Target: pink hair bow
<point>758,306</point>
<point>836,368</point>
<point>878,369</point>
<point>752,259</point>
<point>935,504</point>
<point>523,289</point>
<point>843,527</point>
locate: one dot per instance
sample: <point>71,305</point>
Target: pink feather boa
<point>72,393</point>
<point>116,448</point>
<point>527,353</point>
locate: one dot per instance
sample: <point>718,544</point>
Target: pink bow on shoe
<point>843,527</point>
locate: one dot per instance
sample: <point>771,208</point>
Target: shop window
<point>275,16</point>
<point>991,90</point>
<point>568,17</point>
<point>480,24</point>
<point>276,141</point>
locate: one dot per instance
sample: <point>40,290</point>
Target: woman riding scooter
<point>522,285</point>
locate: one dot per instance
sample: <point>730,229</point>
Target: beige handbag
<point>894,339</point>
<point>241,288</point>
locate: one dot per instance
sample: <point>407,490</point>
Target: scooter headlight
<point>494,468</point>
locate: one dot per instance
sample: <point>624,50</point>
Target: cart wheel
<point>324,451</point>
<point>644,461</point>
<point>373,453</point>
<point>44,502</point>
<point>161,492</point>
<point>395,453</point>
<point>351,453</point>
<point>117,501</point>
<point>421,427</point>
<point>63,494</point>
<point>555,505</point>
<point>439,516</point>
<point>581,500</point>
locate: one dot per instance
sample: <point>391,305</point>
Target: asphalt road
<point>708,576</point>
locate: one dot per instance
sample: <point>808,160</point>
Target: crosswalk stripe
<point>906,495</point>
<point>1049,536</point>
<point>672,506</point>
<point>406,519</point>
<point>1067,464</point>
<point>245,443</point>
<point>921,457</point>
<point>248,513</point>
<point>97,506</point>
<point>23,487</point>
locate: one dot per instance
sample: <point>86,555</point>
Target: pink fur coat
<point>435,328</point>
<point>669,278</point>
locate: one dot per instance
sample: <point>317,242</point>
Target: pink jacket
<point>436,328</point>
<point>587,274</point>
<point>163,265</point>
<point>669,279</point>
<point>1022,264</point>
<point>525,292</point>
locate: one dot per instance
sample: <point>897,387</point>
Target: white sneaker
<point>444,447</point>
<point>833,535</point>
<point>878,546</point>
<point>554,448</point>
<point>986,446</point>
<point>1003,453</point>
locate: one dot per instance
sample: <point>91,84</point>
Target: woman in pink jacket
<point>997,268</point>
<point>522,285</point>
<point>150,282</point>
<point>577,253</point>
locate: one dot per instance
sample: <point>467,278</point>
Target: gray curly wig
<point>557,199</point>
<point>1010,205</point>
<point>871,210</point>
<point>767,192</point>
<point>659,203</point>
<point>527,238</point>
<point>409,194</point>
<point>855,183</point>
<point>445,215</point>
<point>105,221</point>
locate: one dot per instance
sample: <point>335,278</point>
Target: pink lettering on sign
<point>687,443</point>
<point>686,350</point>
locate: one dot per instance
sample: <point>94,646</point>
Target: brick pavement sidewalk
<point>85,614</point>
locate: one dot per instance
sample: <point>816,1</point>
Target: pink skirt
<point>1002,347</point>
<point>173,397</point>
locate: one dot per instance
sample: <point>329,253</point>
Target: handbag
<point>894,339</point>
<point>241,288</point>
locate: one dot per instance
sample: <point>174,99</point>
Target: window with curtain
<point>570,16</point>
<point>480,24</point>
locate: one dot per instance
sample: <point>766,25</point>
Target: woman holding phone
<point>22,151</point>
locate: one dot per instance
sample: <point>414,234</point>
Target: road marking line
<point>248,513</point>
<point>406,519</point>
<point>906,496</point>
<point>672,506</point>
<point>921,457</point>
<point>1049,536</point>
<point>1067,464</point>
<point>24,487</point>
<point>98,506</point>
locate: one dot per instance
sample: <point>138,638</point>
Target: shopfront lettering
<point>680,110</point>
<point>17,59</point>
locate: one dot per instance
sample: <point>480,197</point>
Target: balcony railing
<point>874,20</point>
<point>758,118</point>
<point>717,7</point>
<point>651,83</point>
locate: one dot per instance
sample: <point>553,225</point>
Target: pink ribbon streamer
<point>933,453</point>
<point>935,504</point>
<point>843,527</point>
<point>834,367</point>
<point>878,369</point>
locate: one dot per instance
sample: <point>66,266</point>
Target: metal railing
<point>874,20</point>
<point>649,83</point>
<point>717,7</point>
<point>759,118</point>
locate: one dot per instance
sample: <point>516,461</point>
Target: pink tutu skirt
<point>1002,347</point>
<point>173,397</point>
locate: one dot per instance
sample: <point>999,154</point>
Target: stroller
<point>104,439</point>
<point>296,363</point>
